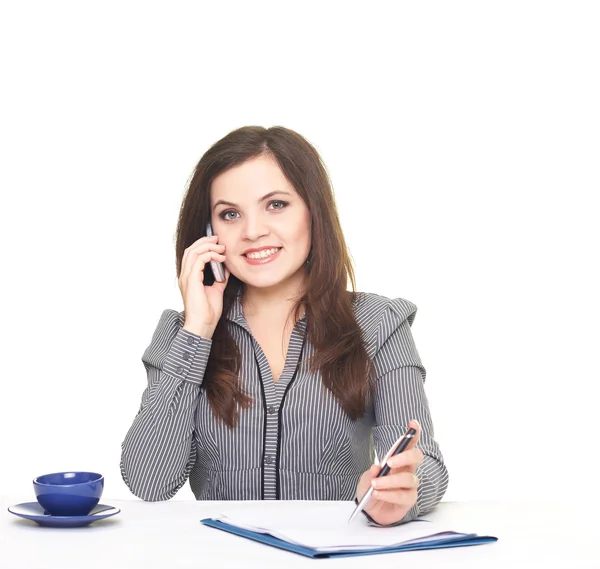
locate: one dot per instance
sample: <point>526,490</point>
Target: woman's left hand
<point>395,493</point>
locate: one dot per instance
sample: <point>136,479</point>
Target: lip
<point>261,261</point>
<point>260,249</point>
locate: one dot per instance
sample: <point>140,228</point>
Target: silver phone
<point>217,268</point>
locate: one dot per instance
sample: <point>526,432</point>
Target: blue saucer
<point>34,512</point>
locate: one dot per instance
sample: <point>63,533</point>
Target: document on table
<point>320,529</point>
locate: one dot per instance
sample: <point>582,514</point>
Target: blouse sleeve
<point>400,397</point>
<point>158,452</point>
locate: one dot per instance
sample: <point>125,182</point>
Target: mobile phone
<point>218,269</point>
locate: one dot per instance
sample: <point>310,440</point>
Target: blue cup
<point>69,493</point>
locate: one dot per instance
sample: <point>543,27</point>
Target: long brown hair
<point>339,352</point>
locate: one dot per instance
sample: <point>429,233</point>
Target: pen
<point>400,448</point>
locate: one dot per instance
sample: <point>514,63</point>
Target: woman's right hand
<point>203,305</point>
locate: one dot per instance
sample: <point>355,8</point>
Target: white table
<point>169,535</point>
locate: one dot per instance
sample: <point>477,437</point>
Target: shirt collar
<point>236,314</point>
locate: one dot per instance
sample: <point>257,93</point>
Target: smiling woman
<point>277,382</point>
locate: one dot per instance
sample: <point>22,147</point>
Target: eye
<point>278,204</point>
<point>225,215</point>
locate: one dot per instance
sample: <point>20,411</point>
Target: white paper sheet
<point>324,526</point>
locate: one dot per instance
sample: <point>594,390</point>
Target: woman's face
<point>263,223</point>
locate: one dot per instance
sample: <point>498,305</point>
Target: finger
<point>412,442</point>
<point>185,260</point>
<point>203,244</point>
<point>366,479</point>
<point>407,459</point>
<point>206,255</point>
<point>197,272</point>
<point>372,472</point>
<point>204,241</point>
<point>400,481</point>
<point>403,498</point>
<point>222,285</point>
<point>414,424</point>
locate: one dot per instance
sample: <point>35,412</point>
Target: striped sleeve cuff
<point>187,357</point>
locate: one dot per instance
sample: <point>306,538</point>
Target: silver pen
<point>384,471</point>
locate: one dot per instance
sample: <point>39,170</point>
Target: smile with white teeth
<point>262,254</point>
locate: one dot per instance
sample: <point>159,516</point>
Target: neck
<point>276,302</point>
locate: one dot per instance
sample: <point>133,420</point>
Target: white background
<point>462,139</point>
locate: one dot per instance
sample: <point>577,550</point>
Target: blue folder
<point>458,540</point>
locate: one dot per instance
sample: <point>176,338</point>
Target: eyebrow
<point>265,197</point>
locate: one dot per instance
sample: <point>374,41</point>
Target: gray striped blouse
<point>294,442</point>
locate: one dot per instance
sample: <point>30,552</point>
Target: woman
<point>278,382</point>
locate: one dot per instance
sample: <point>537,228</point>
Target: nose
<point>255,228</point>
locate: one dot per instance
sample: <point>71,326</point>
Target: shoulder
<point>379,317</point>
<point>370,309</point>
